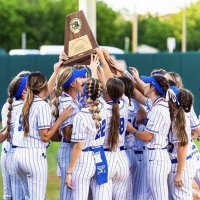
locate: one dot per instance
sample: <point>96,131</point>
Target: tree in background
<point>43,21</point>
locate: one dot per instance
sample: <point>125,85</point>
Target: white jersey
<point>158,124</point>
<point>106,114</point>
<point>174,142</point>
<point>16,107</point>
<point>194,121</point>
<point>39,118</point>
<point>4,112</point>
<point>132,118</point>
<point>84,129</point>
<point>64,101</point>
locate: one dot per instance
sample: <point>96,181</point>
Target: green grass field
<point>53,181</point>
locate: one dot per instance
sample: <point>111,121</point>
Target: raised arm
<point>105,66</point>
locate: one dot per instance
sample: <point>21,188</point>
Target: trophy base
<point>81,59</point>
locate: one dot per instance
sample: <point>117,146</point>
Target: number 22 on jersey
<point>101,132</point>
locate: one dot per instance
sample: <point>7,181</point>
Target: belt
<point>87,149</point>
<point>173,161</point>
<point>138,152</point>
<point>155,148</point>
<point>66,141</point>
<point>120,148</point>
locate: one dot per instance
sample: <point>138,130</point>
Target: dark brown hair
<point>129,87</point>
<point>162,82</point>
<point>115,90</point>
<point>185,99</point>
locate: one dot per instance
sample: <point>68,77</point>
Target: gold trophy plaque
<point>79,41</point>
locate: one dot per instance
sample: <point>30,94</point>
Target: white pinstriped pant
<point>118,177</point>
<point>196,158</point>
<point>6,178</point>
<point>158,166</point>
<point>82,175</point>
<point>197,177</point>
<point>133,164</point>
<point>31,167</point>
<point>185,192</point>
<point>16,186</point>
<point>63,159</point>
<point>139,178</point>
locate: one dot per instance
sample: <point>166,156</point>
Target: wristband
<point>69,173</point>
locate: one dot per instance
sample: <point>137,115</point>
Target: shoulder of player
<point>40,105</point>
<point>160,109</point>
<point>161,105</point>
<point>83,115</point>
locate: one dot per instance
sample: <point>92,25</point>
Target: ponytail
<point>25,111</point>
<point>115,90</point>
<point>113,137</point>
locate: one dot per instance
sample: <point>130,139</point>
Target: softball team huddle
<point>121,136</point>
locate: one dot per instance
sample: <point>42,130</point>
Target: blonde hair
<point>93,89</point>
<point>35,84</point>
<point>62,77</point>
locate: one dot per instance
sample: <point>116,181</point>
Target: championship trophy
<point>79,41</point>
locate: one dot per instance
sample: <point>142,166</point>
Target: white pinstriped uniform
<point>194,123</point>
<point>185,192</point>
<point>118,164</point>
<point>129,144</point>
<point>139,177</point>
<point>158,163</point>
<point>65,149</point>
<point>16,186</point>
<point>5,148</point>
<point>84,129</point>
<point>196,157</point>
<point>30,154</point>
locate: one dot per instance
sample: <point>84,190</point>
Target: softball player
<point>68,85</point>
<point>133,108</point>
<point>87,160</point>
<point>196,156</point>
<point>32,132</point>
<point>7,194</point>
<point>181,175</point>
<point>16,93</point>
<point>113,127</point>
<point>155,136</point>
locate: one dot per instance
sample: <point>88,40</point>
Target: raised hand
<point>63,56</point>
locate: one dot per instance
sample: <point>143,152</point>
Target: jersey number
<point>101,132</point>
<point>20,128</point>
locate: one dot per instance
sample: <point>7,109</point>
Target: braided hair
<point>12,90</point>
<point>93,91</point>
<point>62,77</point>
